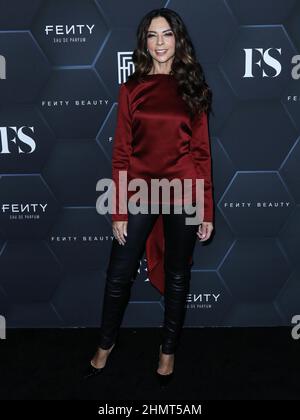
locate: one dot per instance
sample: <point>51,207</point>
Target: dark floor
<point>210,364</point>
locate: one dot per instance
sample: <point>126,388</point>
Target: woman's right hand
<point>120,231</point>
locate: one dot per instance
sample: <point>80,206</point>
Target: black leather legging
<point>180,240</point>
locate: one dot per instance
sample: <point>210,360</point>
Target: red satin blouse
<point>156,138</point>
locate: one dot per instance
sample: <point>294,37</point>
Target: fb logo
<point>263,57</point>
<point>2,67</point>
<point>125,66</point>
<point>296,329</point>
<point>2,327</point>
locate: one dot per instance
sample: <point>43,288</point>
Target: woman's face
<point>160,40</point>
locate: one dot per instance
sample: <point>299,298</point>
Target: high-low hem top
<point>155,137</point>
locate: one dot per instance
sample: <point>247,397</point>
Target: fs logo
<point>296,328</point>
<point>125,65</point>
<point>264,56</point>
<point>2,328</point>
<point>18,133</point>
<point>2,67</point>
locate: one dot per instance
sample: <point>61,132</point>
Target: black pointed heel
<point>93,371</point>
<point>163,380</point>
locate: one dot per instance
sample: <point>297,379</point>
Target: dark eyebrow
<point>166,30</point>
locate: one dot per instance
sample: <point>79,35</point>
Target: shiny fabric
<point>156,138</point>
<point>123,263</point>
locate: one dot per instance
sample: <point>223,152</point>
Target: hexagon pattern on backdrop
<point>61,65</point>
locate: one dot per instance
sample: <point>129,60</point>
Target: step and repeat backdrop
<point>61,65</point>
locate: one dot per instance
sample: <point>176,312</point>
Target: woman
<point>161,133</point>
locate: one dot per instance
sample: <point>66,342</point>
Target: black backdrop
<point>61,64</point>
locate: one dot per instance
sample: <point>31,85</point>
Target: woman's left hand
<point>204,231</point>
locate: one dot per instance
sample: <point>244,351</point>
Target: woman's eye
<point>168,34</point>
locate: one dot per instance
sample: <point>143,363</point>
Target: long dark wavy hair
<point>186,69</point>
